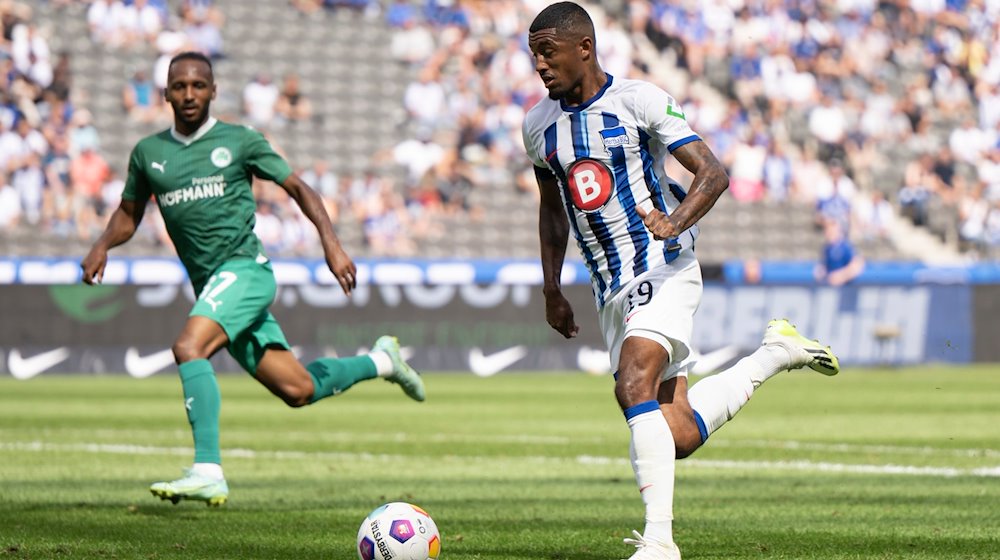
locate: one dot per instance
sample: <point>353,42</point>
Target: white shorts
<point>659,305</point>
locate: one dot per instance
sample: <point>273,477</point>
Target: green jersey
<point>202,184</point>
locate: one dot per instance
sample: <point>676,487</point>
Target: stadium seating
<point>356,88</point>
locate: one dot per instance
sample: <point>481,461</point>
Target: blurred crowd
<point>52,174</point>
<point>54,177</point>
<point>864,107</point>
<point>868,111</point>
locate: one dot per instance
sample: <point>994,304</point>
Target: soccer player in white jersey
<point>598,144</point>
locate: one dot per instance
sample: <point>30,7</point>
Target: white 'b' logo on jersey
<point>590,184</point>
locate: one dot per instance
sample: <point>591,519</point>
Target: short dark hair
<point>192,55</point>
<point>564,17</point>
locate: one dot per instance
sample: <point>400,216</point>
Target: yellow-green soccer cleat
<point>803,351</point>
<point>192,487</point>
<point>402,375</point>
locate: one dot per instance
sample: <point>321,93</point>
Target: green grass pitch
<point>873,464</point>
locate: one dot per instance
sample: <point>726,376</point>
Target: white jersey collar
<point>202,130</point>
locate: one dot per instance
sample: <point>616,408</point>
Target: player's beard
<point>561,89</point>
<point>194,122</point>
<point>558,92</point>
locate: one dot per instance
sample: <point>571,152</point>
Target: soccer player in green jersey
<point>199,172</point>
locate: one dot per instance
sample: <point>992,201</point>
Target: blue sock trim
<point>616,375</point>
<point>641,408</point>
<point>702,428</point>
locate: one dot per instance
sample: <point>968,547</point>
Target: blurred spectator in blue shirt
<point>835,198</point>
<point>141,99</point>
<point>840,263</point>
<point>400,12</point>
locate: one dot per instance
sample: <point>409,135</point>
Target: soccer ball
<point>398,531</point>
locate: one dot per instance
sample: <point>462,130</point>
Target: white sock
<point>383,363</point>
<point>653,454</point>
<point>772,359</point>
<point>717,398</point>
<point>208,470</point>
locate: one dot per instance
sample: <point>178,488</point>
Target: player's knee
<point>633,387</point>
<point>186,350</point>
<point>686,446</point>
<point>687,436</point>
<point>684,429</point>
<point>296,395</point>
<point>295,401</point>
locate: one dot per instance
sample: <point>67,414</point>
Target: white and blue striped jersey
<point>607,155</point>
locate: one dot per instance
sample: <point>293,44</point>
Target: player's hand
<point>343,269</point>
<point>658,223</point>
<point>559,314</point>
<point>93,266</point>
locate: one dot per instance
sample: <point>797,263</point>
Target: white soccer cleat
<point>192,486</point>
<point>803,352</point>
<point>649,550</point>
<point>403,374</point>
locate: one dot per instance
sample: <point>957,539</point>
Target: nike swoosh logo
<point>26,368</point>
<point>139,366</point>
<point>595,362</point>
<point>713,361</point>
<point>485,366</point>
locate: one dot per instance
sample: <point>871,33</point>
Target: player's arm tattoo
<point>710,181</point>
<point>553,232</point>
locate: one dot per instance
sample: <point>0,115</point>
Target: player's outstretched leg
<point>647,550</point>
<point>717,398</point>
<point>402,374</point>
<point>193,486</point>
<point>803,351</point>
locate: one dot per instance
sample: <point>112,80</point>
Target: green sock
<point>202,401</point>
<point>332,376</point>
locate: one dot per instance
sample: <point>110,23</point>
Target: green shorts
<point>237,297</point>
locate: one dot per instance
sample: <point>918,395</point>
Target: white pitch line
<point>351,437</point>
<point>238,452</point>
<point>528,439</point>
<point>814,466</point>
<point>946,472</point>
<point>811,466</point>
<point>856,448</point>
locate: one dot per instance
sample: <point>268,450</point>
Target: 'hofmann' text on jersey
<point>202,185</point>
<point>607,155</point>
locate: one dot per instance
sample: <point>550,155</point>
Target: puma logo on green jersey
<point>160,166</point>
